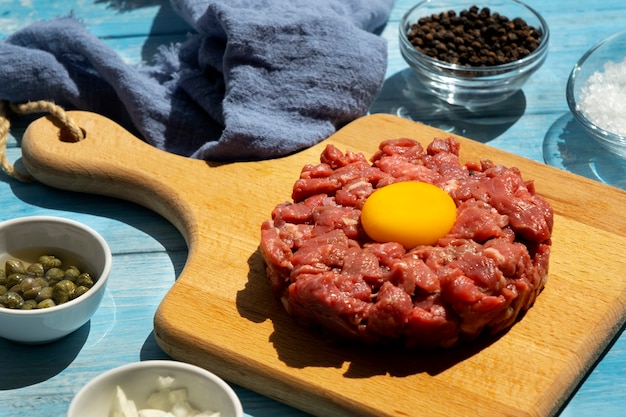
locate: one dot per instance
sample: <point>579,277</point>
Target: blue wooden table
<point>149,252</point>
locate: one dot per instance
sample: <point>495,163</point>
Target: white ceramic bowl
<point>611,49</point>
<point>72,238</point>
<point>138,380</point>
<point>472,86</point>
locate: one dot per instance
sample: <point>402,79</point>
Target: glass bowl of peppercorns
<point>473,54</point>
<point>53,275</point>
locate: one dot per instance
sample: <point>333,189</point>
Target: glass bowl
<point>589,90</point>
<point>29,237</point>
<point>473,86</point>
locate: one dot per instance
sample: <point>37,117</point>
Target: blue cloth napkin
<point>257,79</point>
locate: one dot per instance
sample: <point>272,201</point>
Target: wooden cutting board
<point>221,315</point>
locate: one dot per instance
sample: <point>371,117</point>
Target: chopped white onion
<point>165,402</point>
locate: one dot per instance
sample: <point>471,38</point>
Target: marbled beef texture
<point>481,276</point>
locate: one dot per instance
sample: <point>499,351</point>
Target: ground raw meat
<point>479,278</point>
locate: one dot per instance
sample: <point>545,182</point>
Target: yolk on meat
<point>411,213</point>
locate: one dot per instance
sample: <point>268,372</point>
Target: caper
<point>72,273</point>
<point>3,277</point>
<point>54,275</point>
<point>11,299</point>
<point>14,266</point>
<point>3,289</point>
<point>28,288</point>
<point>62,291</point>
<point>85,280</point>
<point>41,281</point>
<point>44,293</point>
<point>50,261</point>
<point>29,305</point>
<point>36,270</point>
<point>15,279</point>
<point>80,290</point>
<point>47,303</point>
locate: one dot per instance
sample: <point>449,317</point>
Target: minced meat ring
<point>479,278</point>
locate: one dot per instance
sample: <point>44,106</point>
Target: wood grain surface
<point>220,314</point>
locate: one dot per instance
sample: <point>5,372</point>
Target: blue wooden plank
<point>105,19</point>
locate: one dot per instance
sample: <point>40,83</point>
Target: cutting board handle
<point>111,161</point>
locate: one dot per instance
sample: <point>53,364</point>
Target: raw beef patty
<point>479,278</point>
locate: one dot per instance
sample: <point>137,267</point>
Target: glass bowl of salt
<point>596,93</point>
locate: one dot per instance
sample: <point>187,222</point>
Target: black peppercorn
<point>474,37</point>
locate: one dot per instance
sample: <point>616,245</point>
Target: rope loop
<point>70,132</point>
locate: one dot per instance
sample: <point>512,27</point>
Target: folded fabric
<point>258,79</point>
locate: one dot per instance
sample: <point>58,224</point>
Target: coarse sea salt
<point>603,98</point>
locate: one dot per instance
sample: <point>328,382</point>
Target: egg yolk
<point>411,213</point>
